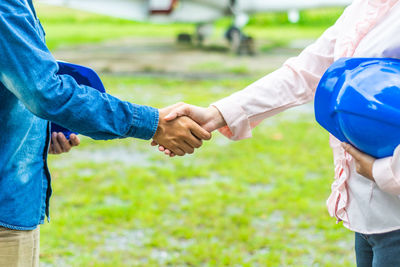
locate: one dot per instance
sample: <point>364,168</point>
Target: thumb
<point>178,112</point>
<point>199,132</point>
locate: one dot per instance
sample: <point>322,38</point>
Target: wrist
<point>216,117</point>
<point>144,123</point>
<point>160,123</point>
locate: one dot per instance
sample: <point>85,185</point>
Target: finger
<point>161,148</point>
<point>359,167</point>
<point>65,145</point>
<point>74,140</point>
<point>173,107</point>
<point>186,147</point>
<point>190,148</point>
<point>179,152</point>
<point>153,143</point>
<point>199,132</point>
<point>194,142</point>
<point>56,145</point>
<point>355,153</point>
<point>183,110</point>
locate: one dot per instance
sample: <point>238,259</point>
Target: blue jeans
<point>378,250</point>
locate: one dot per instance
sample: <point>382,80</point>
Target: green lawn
<point>258,202</point>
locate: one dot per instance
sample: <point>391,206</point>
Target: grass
<point>258,202</point>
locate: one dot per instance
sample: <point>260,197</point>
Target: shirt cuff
<point>236,120</point>
<point>384,177</point>
<point>145,122</point>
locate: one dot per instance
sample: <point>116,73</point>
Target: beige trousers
<point>19,248</point>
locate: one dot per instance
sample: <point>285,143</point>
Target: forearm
<point>85,110</point>
<point>291,85</point>
<point>29,71</point>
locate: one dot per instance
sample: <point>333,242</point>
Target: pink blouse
<point>366,29</point>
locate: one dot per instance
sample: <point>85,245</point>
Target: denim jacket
<point>31,95</point>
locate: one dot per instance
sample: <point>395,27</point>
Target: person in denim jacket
<point>31,95</point>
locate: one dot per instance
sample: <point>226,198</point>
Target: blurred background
<point>258,202</point>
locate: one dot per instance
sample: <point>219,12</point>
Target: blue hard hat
<point>358,101</point>
<point>83,76</point>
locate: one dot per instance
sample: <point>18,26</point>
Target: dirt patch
<point>159,56</point>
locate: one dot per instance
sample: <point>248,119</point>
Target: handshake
<point>182,128</point>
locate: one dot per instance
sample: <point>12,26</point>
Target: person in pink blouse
<point>365,192</point>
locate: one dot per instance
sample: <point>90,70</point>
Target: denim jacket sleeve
<point>29,71</point>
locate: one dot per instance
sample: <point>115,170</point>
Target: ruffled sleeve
<point>338,200</point>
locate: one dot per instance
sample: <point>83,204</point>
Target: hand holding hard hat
<point>358,101</point>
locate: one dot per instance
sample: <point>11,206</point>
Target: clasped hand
<point>60,144</point>
<point>364,162</point>
<point>182,128</point>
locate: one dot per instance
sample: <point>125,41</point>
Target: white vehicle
<point>200,12</point>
